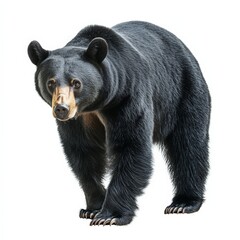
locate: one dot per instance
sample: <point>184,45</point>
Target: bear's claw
<point>170,210</point>
<point>108,221</point>
<point>87,214</point>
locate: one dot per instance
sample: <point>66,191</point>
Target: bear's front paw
<point>111,219</point>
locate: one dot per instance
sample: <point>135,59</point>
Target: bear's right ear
<point>36,53</point>
<point>97,49</point>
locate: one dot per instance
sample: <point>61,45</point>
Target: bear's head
<point>69,79</point>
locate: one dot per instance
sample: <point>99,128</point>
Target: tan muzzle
<point>63,103</point>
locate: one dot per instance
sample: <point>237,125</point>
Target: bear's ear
<point>36,53</point>
<point>97,49</point>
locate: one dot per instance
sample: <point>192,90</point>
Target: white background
<point>40,198</point>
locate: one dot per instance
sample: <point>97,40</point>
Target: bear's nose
<point>61,111</point>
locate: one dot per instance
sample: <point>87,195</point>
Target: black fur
<point>140,85</point>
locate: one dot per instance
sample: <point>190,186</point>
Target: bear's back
<point>145,37</point>
<point>155,43</point>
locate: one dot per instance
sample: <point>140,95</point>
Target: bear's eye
<point>51,84</point>
<point>76,83</point>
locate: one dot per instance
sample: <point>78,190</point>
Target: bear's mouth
<point>64,106</point>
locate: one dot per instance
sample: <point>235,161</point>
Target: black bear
<point>116,91</point>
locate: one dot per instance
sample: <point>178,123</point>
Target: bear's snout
<point>63,103</point>
<point>61,111</point>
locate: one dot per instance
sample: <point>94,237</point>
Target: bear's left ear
<point>36,53</point>
<point>97,49</point>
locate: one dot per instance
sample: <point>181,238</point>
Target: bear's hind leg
<point>187,157</point>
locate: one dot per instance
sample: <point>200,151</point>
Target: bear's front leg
<point>129,148</point>
<point>84,146</point>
